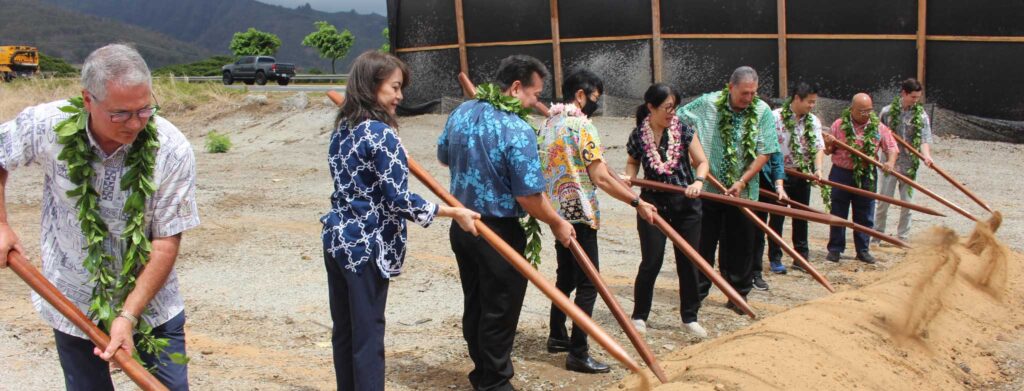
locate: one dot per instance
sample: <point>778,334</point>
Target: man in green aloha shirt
<point>737,131</point>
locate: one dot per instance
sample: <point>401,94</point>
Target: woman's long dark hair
<point>656,94</point>
<point>368,72</point>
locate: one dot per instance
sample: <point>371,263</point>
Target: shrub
<point>217,143</point>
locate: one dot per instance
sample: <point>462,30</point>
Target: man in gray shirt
<point>907,119</point>
<point>115,110</point>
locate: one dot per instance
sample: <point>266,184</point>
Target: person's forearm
<point>602,176</point>
<point>445,211</point>
<point>154,275</point>
<point>632,168</point>
<point>537,206</point>
<point>754,168</point>
<point>926,150</point>
<point>819,159</point>
<point>891,157</point>
<point>702,169</point>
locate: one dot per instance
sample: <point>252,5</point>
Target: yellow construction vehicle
<point>18,61</point>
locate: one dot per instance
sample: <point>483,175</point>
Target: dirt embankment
<point>933,322</point>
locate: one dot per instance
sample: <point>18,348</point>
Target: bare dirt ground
<point>256,296</point>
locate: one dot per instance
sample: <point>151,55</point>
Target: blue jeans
<point>85,371</point>
<point>863,212</point>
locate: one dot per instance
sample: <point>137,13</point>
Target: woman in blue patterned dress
<point>364,233</point>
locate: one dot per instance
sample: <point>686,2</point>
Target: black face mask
<point>589,108</point>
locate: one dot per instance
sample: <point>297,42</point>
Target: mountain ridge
<point>211,24</point>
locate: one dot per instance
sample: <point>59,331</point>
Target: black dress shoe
<point>866,257</point>
<point>556,345</point>
<point>585,365</point>
<point>833,256</point>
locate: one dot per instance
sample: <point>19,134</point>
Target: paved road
<point>290,88</point>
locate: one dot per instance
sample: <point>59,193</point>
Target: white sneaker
<point>640,325</point>
<point>696,329</point>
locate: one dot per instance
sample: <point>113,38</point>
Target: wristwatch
<point>698,179</point>
<point>131,318</point>
<point>635,202</point>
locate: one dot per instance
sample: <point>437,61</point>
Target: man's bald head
<point>861,107</point>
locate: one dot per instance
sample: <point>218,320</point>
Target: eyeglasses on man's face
<point>143,114</point>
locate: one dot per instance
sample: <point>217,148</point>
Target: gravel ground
<point>256,296</point>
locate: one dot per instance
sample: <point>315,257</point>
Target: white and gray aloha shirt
<point>798,128</point>
<point>30,138</point>
<point>903,129</point>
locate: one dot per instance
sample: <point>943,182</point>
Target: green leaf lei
<point>492,94</point>
<point>804,161</point>
<point>861,170</point>
<point>731,163</point>
<point>112,287</point>
<point>917,122</point>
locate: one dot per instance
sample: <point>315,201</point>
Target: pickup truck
<point>258,69</point>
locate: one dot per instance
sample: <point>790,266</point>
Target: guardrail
<point>298,77</point>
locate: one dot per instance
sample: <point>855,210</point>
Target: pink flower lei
<point>569,109</point>
<point>675,146</point>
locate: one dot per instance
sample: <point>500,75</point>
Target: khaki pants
<point>887,186</point>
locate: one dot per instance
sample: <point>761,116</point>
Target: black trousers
<point>493,297</point>
<point>570,276</point>
<point>684,215</point>
<point>726,229</point>
<point>799,191</point>
<point>357,303</point>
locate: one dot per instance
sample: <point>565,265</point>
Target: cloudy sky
<point>361,6</point>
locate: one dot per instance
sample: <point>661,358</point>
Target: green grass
<point>217,143</point>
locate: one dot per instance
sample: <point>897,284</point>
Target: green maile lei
<point>917,122</point>
<point>861,170</point>
<point>112,287</point>
<point>731,161</point>
<point>492,94</point>
<point>804,161</point>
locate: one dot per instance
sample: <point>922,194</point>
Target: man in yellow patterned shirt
<point>571,159</point>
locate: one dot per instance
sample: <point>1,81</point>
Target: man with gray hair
<point>737,130</point>
<point>118,191</point>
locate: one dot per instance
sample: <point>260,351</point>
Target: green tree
<point>329,42</point>
<point>57,65</point>
<point>207,67</point>
<point>254,43</point>
<point>386,46</point>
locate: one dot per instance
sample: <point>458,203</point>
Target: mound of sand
<point>929,324</point>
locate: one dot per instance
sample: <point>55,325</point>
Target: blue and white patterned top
<point>371,199</point>
<point>492,155</point>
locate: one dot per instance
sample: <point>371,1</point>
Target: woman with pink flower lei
<point>664,147</point>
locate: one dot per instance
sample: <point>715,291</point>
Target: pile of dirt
<point>932,322</point>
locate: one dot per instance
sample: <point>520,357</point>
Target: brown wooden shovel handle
<point>778,240</point>
<point>48,292</point>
